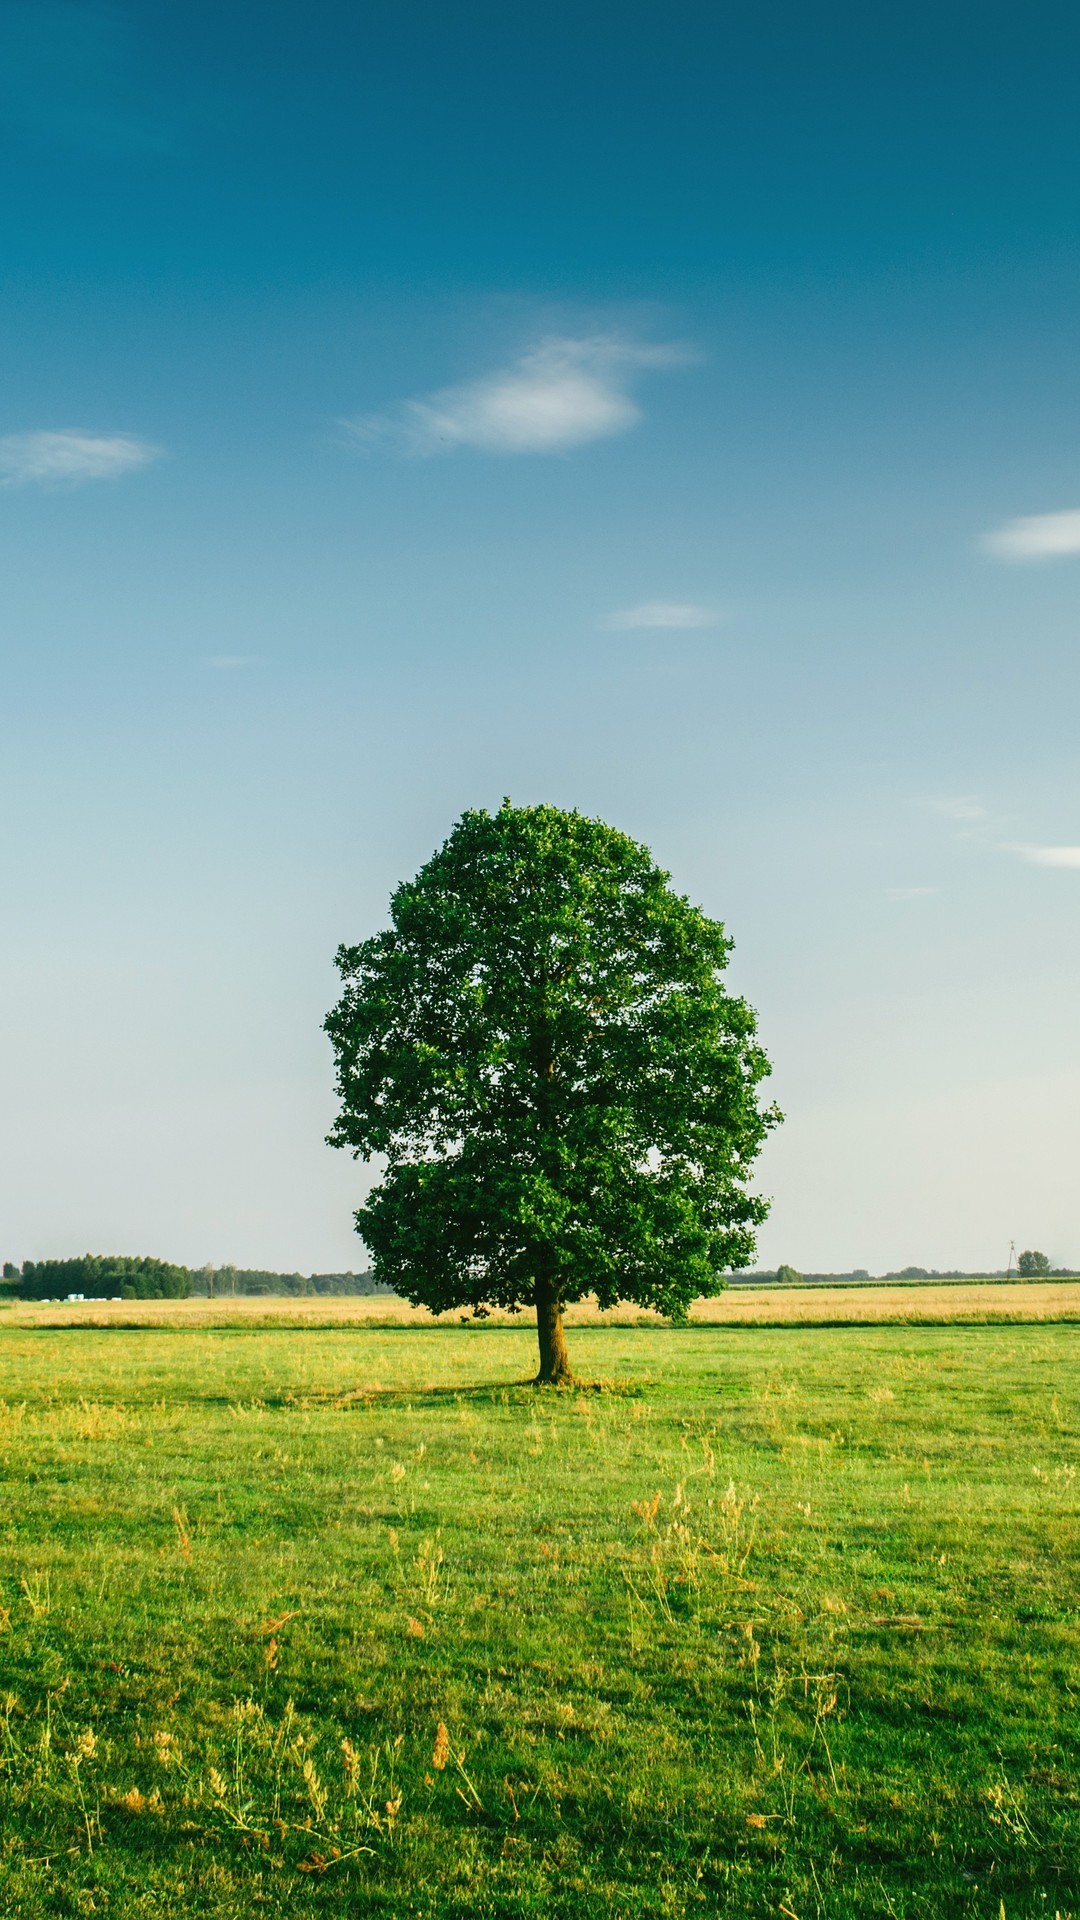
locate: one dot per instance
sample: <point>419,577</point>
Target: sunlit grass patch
<point>352,1622</point>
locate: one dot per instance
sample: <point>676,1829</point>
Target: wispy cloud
<point>1043,536</point>
<point>70,456</point>
<point>673,614</point>
<point>958,806</point>
<point>1048,856</point>
<point>559,394</point>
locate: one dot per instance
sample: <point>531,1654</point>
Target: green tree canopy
<point>101,1276</point>
<point>1031,1263</point>
<point>542,1048</point>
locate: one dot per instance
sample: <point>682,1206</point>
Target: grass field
<point>912,1305</point>
<point>344,1621</point>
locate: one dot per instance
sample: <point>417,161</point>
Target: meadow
<point>346,1620</point>
<point>909,1303</point>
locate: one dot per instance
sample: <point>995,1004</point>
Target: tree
<point>565,1095</point>
<point>105,1276</point>
<point>787,1276</point>
<point>1032,1264</point>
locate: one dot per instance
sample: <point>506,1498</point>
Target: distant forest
<point>104,1276</point>
<point>220,1281</point>
<point>859,1277</point>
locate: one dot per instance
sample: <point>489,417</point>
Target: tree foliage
<point>227,1282</point>
<point>542,1048</point>
<point>1032,1263</point>
<point>105,1276</point>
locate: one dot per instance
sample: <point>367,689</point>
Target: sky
<point>666,411</point>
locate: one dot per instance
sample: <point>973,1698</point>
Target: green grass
<point>782,1622</point>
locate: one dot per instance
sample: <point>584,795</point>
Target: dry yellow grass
<point>959,1300</point>
<point>930,1303</point>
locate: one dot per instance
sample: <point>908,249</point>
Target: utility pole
<point>1012,1260</point>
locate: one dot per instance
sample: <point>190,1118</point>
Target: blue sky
<point>671,412</point>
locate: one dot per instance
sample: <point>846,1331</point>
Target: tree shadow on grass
<point>492,1394</point>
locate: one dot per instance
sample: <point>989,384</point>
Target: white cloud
<point>1049,856</point>
<point>673,614</point>
<point>1044,536</point>
<point>69,456</point>
<point>560,393</point>
<point>959,806</point>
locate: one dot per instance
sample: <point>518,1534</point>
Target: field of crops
<point>347,1621</point>
<point>925,1304</point>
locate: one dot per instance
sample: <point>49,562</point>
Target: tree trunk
<point>554,1359</point>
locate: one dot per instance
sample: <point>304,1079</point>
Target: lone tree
<point>542,1048</point>
<point>1031,1264</point>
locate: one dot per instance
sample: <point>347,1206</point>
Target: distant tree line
<point>103,1276</point>
<point>119,1276</point>
<point>1031,1265</point>
<point>786,1276</point>
<point>220,1282</point>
